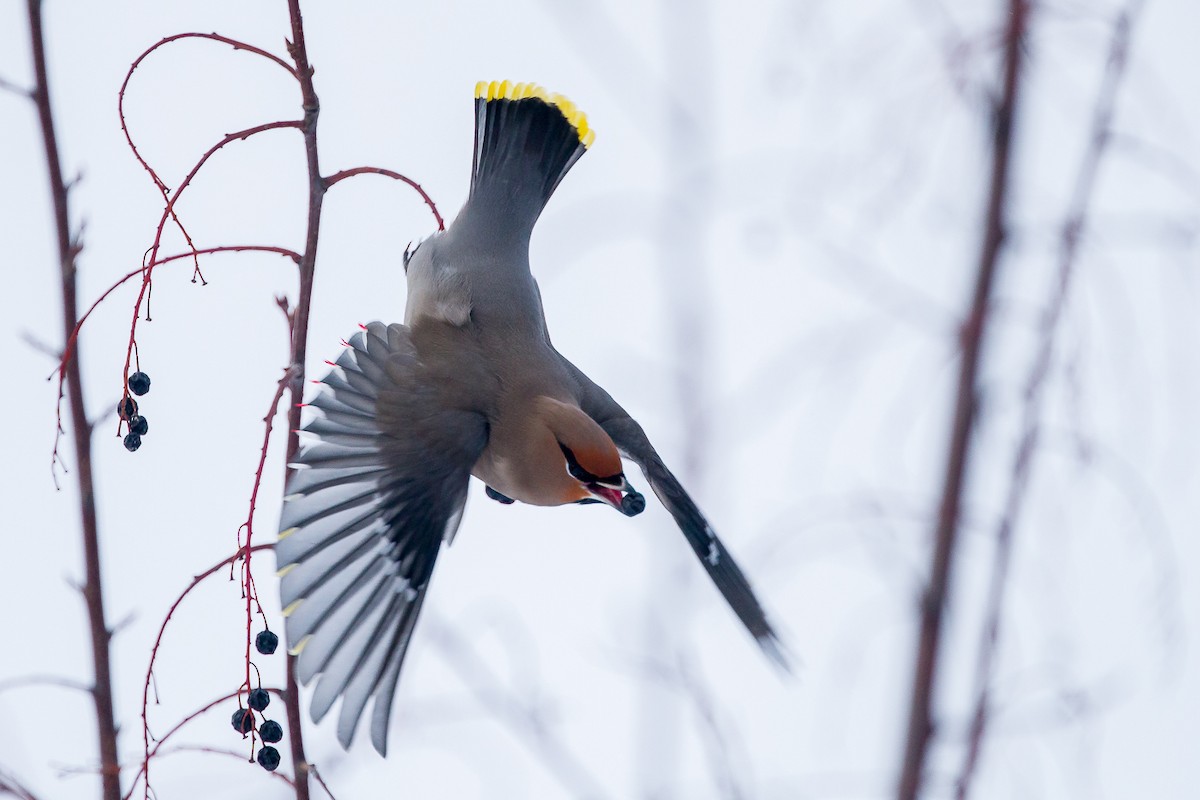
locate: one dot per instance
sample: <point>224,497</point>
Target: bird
<point>468,384</point>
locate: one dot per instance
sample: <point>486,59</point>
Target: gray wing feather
<point>364,518</point>
<point>631,440</point>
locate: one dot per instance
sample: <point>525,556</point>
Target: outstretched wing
<point>364,517</point>
<point>631,440</point>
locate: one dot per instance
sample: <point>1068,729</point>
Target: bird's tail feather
<point>526,140</point>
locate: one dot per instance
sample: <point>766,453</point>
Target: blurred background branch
<point>966,407</point>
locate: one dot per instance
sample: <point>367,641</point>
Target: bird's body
<point>470,384</point>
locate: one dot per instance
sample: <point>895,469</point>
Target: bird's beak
<point>623,498</point>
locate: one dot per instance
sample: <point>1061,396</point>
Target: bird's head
<point>590,460</point>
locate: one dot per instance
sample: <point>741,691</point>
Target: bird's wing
<point>631,440</point>
<point>364,517</point>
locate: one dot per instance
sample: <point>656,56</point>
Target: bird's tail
<point>526,139</point>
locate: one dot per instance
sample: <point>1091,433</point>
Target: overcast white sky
<point>837,176</point>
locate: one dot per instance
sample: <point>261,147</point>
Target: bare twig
<point>31,681</point>
<point>682,676</point>
<point>9,86</point>
<point>317,777</point>
<point>162,187</point>
<point>522,720</point>
<point>11,786</point>
<point>920,725</point>
<point>349,173</point>
<point>147,753</point>
<point>248,588</point>
<point>1022,467</point>
<point>106,728</point>
<point>192,748</point>
<point>161,741</point>
<point>147,270</point>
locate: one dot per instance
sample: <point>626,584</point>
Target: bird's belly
<point>502,471</point>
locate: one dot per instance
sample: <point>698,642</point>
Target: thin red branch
<point>920,724</point>
<point>147,273</point>
<point>81,429</point>
<point>162,629</point>
<point>1021,470</point>
<point>159,184</point>
<point>248,588</point>
<point>137,62</point>
<point>68,348</point>
<point>161,741</point>
<point>349,173</point>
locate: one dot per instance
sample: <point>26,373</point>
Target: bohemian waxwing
<point>469,385</point>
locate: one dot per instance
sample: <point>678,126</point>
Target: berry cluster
<point>127,410</point>
<point>258,699</point>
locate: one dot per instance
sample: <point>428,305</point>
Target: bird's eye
<point>577,472</point>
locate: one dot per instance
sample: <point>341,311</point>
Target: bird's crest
<point>526,140</point>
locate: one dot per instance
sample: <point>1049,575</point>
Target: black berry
<point>243,721</point>
<point>270,731</point>
<point>139,425</point>
<point>258,699</point>
<point>633,504</point>
<point>268,757</point>
<point>127,407</point>
<point>132,442</point>
<point>139,383</point>
<point>266,642</point>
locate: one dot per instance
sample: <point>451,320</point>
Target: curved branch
<point>174,198</point>
<point>159,184</point>
<point>350,173</point>
<point>70,344</point>
<point>177,37</point>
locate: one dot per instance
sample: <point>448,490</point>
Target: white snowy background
<point>802,180</point>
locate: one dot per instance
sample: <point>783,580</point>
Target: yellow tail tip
<point>505,90</point>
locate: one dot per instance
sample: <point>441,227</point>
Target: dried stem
<point>920,726</point>
<point>1035,385</point>
<point>106,728</point>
